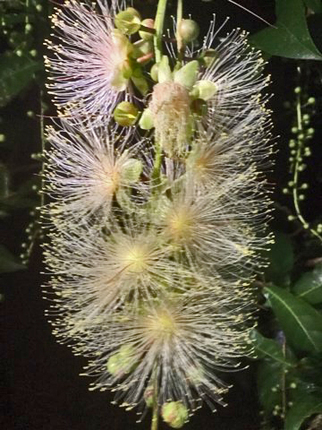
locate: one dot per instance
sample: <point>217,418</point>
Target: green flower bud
<point>142,47</point>
<point>145,34</point>
<point>164,71</point>
<point>175,414</point>
<point>154,72</point>
<point>187,75</point>
<point>125,114</point>
<point>188,30</point>
<point>122,362</point>
<point>128,21</point>
<point>148,396</point>
<point>146,120</point>
<point>204,90</point>
<point>139,81</point>
<point>132,170</point>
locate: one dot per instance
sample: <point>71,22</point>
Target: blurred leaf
<point>269,348</point>
<point>301,323</point>
<point>315,5</point>
<point>281,257</point>
<point>303,408</point>
<point>15,74</point>
<point>4,181</point>
<point>309,286</point>
<point>8,262</point>
<point>270,374</point>
<point>291,38</point>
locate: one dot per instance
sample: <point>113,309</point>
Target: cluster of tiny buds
<point>299,151</point>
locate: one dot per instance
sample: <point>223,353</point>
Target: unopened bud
<point>122,362</point>
<point>175,414</point>
<point>125,114</point>
<point>128,21</point>
<point>188,30</point>
<point>204,90</point>
<point>149,23</point>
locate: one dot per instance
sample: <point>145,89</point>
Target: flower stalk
<point>159,23</point>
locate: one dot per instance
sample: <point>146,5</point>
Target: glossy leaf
<point>269,376</point>
<point>291,38</point>
<point>269,348</point>
<point>303,408</point>
<point>309,286</point>
<point>8,262</point>
<point>301,323</point>
<point>15,74</point>
<point>281,258</point>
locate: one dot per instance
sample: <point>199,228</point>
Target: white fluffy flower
<point>89,66</point>
<point>174,346</point>
<point>86,168</point>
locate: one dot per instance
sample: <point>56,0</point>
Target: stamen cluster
<point>157,209</point>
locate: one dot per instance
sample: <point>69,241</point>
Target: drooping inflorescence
<point>158,207</point>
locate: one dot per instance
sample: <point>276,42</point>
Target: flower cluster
<point>158,208</point>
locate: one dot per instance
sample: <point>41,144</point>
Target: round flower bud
<point>175,414</point>
<point>122,362</point>
<point>125,114</point>
<point>128,21</point>
<point>148,396</point>
<point>188,30</point>
<point>145,34</point>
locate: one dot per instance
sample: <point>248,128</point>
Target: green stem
<point>155,410</point>
<point>297,171</point>
<point>180,45</point>
<point>159,21</point>
<point>157,163</point>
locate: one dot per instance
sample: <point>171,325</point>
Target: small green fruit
<point>125,114</point>
<point>188,30</point>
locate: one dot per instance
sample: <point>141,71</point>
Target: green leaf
<point>281,257</point>
<point>309,286</point>
<point>291,38</point>
<point>303,408</point>
<point>269,348</point>
<point>15,74</point>
<point>301,323</point>
<point>314,5</point>
<point>269,377</point>
<point>8,262</point>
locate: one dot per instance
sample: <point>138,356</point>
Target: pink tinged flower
<point>86,169</point>
<point>89,68</point>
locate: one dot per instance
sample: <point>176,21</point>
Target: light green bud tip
<point>145,34</point>
<point>125,114</point>
<point>122,362</point>
<point>146,120</point>
<point>204,90</point>
<point>187,75</point>
<point>128,21</point>
<point>188,30</point>
<point>148,396</point>
<point>132,170</point>
<point>175,414</point>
